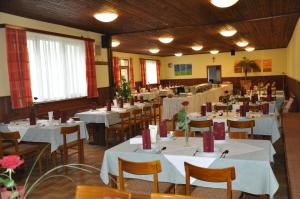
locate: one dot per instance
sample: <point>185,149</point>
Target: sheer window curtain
<point>151,72</point>
<point>58,67</point>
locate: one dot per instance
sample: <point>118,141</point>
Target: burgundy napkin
<point>163,129</point>
<point>242,92</point>
<point>208,141</point>
<point>269,90</point>
<point>265,108</point>
<point>242,111</point>
<point>203,110</point>
<point>141,99</point>
<point>219,130</point>
<point>135,98</point>
<point>121,103</point>
<point>108,106</point>
<point>254,98</point>
<point>269,97</point>
<point>131,101</point>
<point>208,107</point>
<point>246,106</point>
<point>32,118</point>
<point>146,139</point>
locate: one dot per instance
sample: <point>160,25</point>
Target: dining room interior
<point>149,99</point>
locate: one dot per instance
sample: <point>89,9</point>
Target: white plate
<point>154,149</point>
<point>216,153</point>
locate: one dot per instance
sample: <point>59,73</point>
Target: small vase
<point>187,136</point>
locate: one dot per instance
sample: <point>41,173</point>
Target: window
<point>57,67</point>
<point>151,72</point>
<point>124,68</point>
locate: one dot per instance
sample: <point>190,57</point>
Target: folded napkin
<point>153,133</point>
<point>269,97</point>
<point>208,107</point>
<point>208,141</point>
<point>121,103</point>
<point>108,106</point>
<point>265,108</point>
<point>136,140</point>
<point>146,139</point>
<point>32,118</point>
<point>136,98</point>
<point>254,98</point>
<point>131,101</point>
<point>163,129</point>
<point>203,110</point>
<point>219,130</point>
<point>246,106</point>
<point>141,99</point>
<point>242,111</point>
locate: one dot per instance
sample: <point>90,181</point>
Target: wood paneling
<point>294,88</point>
<point>267,24</point>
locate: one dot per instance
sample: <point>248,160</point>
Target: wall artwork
<point>264,65</point>
<point>267,65</point>
<point>182,69</point>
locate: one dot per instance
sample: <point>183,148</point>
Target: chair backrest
<point>147,110</point>
<point>70,130</point>
<point>90,192</point>
<point>243,99</point>
<point>174,120</point>
<point>201,124</point>
<point>223,107</point>
<point>156,109</point>
<point>209,175</point>
<point>254,108</point>
<point>238,135</point>
<point>9,137</point>
<point>241,125</point>
<point>266,98</point>
<point>137,113</point>
<point>139,168</point>
<point>182,134</point>
<point>172,196</point>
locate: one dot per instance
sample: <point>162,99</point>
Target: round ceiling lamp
<point>115,43</point>
<point>228,32</point>
<point>242,43</point>
<point>250,49</point>
<point>166,40</point>
<point>223,3</point>
<point>154,50</point>
<point>178,54</point>
<point>197,48</point>
<point>214,52</point>
<point>106,16</point>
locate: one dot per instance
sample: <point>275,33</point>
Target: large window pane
<point>151,73</point>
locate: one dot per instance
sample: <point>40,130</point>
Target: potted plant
<point>247,65</point>
<point>124,90</point>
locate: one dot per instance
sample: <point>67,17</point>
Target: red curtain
<point>158,71</point>
<point>18,68</point>
<point>131,73</point>
<point>90,69</point>
<point>117,76</point>
<point>143,71</point>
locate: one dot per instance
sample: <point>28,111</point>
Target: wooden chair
<point>211,175</point>
<point>93,192</point>
<point>171,196</point>
<point>76,145</point>
<point>174,120</point>
<point>182,134</point>
<point>156,112</point>
<point>147,115</point>
<point>23,150</point>
<point>201,124</point>
<point>241,125</point>
<point>223,107</point>
<point>254,108</point>
<point>137,120</point>
<point>142,188</point>
<point>264,99</point>
<point>238,135</point>
<point>120,128</point>
<point>243,99</point>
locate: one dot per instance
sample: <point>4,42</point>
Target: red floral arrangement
<point>185,103</point>
<point>11,162</point>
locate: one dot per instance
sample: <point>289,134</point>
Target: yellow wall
<point>200,62</point>
<point>136,62</point>
<point>293,54</point>
<point>102,71</point>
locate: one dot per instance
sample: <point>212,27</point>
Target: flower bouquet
<point>183,121</point>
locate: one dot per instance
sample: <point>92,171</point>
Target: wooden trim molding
<point>101,63</point>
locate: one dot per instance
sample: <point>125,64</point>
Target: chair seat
<point>24,149</point>
<point>142,187</point>
<point>212,193</point>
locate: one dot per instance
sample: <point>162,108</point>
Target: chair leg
<point>54,158</point>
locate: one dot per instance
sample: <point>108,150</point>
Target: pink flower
<point>185,103</point>
<point>11,162</point>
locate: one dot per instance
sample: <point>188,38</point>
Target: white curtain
<point>57,67</point>
<point>151,73</point>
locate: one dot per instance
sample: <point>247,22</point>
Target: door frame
<point>212,66</point>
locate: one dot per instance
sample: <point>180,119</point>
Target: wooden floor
<point>61,188</point>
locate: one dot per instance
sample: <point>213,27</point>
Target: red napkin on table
<point>141,99</point>
<point>108,106</point>
<point>254,98</point>
<point>203,110</point>
<point>219,130</point>
<point>243,92</point>
<point>32,118</point>
<point>131,101</point>
<point>135,98</point>
<point>146,139</point>
<point>208,107</point>
<point>163,129</point>
<point>242,111</point>
<point>208,141</point>
<point>246,106</point>
<point>265,108</point>
<point>121,103</point>
<point>269,97</point>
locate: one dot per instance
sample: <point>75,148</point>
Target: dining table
<point>251,159</point>
<point>44,131</point>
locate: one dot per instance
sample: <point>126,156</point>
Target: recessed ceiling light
<point>197,48</point>
<point>223,3</point>
<point>242,43</point>
<point>178,54</point>
<point>228,32</point>
<point>106,16</point>
<point>214,52</point>
<point>154,50</point>
<point>115,43</point>
<point>250,49</point>
<point>166,40</point>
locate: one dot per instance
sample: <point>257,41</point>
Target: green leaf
<point>14,194</point>
<point>9,183</point>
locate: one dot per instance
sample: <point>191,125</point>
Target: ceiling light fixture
<point>242,43</point>
<point>178,54</point>
<point>166,40</point>
<point>228,32</point>
<point>214,52</point>
<point>250,49</point>
<point>223,3</point>
<point>197,48</point>
<point>106,16</point>
<point>115,43</point>
<point>154,50</point>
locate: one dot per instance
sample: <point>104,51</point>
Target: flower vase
<point>8,194</point>
<point>187,135</point>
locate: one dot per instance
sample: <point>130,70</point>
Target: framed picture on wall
<point>182,69</point>
<point>267,65</point>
